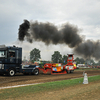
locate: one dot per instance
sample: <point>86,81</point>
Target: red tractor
<point>70,66</point>
<point>57,68</point>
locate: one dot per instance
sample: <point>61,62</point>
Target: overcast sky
<point>83,13</point>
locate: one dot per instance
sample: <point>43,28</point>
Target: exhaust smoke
<point>89,49</point>
<point>49,33</point>
<point>68,34</point>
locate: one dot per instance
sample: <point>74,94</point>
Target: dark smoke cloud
<point>46,32</point>
<point>67,34</point>
<point>23,30</point>
<point>89,49</point>
<point>49,33</point>
<point>70,35</point>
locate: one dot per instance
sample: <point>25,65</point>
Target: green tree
<point>64,59</point>
<point>90,62</point>
<point>35,55</point>
<point>82,61</point>
<point>77,60</point>
<point>57,57</point>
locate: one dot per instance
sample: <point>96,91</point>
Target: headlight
<point>2,66</point>
<point>66,67</point>
<point>37,66</point>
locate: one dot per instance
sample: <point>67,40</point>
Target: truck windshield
<point>2,53</point>
<point>69,58</point>
<point>11,53</point>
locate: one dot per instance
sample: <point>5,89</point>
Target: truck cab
<point>10,59</point>
<point>11,62</point>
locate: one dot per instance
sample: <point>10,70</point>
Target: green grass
<point>50,86</point>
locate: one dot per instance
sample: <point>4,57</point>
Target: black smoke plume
<point>49,33</point>
<point>89,49</point>
<point>23,30</point>
<point>67,34</point>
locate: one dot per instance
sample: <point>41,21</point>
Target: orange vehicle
<point>52,68</point>
<point>57,68</point>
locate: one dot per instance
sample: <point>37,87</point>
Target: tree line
<point>58,58</point>
<point>55,58</point>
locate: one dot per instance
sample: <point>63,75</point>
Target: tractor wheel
<point>71,71</point>
<point>68,71</point>
<point>36,72</point>
<point>11,72</point>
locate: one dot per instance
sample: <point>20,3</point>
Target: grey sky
<point>83,13</point>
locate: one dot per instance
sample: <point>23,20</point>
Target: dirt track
<point>28,79</point>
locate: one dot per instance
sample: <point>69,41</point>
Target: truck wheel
<point>11,72</point>
<point>36,71</point>
<point>1,74</point>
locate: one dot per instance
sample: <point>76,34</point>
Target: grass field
<point>38,90</point>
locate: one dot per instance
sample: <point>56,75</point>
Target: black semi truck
<point>11,62</point>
